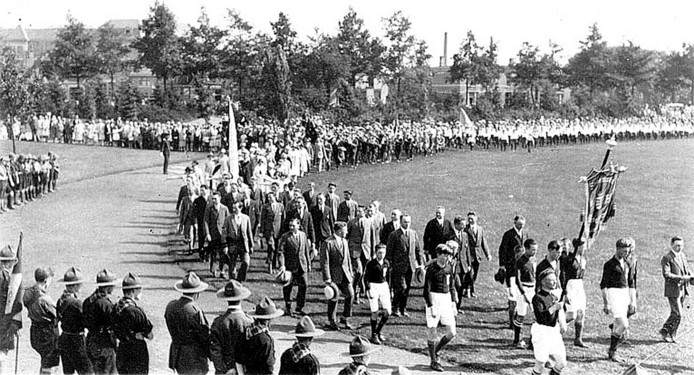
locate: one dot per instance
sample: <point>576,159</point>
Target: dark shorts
<point>44,339</point>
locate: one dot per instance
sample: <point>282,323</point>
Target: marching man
<point>376,278</point>
<point>525,282</point>
<point>549,325</point>
<point>573,269</point>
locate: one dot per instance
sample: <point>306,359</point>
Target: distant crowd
<point>24,178</point>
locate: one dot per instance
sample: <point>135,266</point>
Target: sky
<point>660,25</point>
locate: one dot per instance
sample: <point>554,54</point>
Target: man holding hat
<point>360,350</point>
<point>97,310</point>
<point>294,254</point>
<point>71,345</point>
<point>188,327</point>
<point>229,329</point>
<point>298,359</point>
<point>131,326</point>
<point>336,266</point>
<point>44,320</point>
<point>257,349</point>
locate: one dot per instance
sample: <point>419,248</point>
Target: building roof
<point>124,23</point>
<point>42,35</point>
<point>17,34</point>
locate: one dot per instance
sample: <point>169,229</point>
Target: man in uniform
<point>573,268</point>
<point>131,326</point>
<point>512,238</point>
<point>437,231</point>
<point>336,266</point>
<point>477,245</point>
<point>229,328</point>
<point>256,351</point>
<point>404,255</point>
<point>97,310</point>
<point>525,282</point>
<point>238,238</point>
<point>677,275</point>
<point>376,280</point>
<point>188,327</point>
<point>441,303</point>
<point>44,320</point>
<point>71,345</point>
<point>298,359</point>
<point>549,325</point>
<point>618,286</point>
<point>360,350</point>
<point>294,253</point>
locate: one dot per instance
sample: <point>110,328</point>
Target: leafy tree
<point>475,65</point>
<point>86,103</point>
<point>633,70</point>
<point>14,86</point>
<point>285,36</point>
<point>241,59</point>
<point>399,54</point>
<point>73,54</point>
<point>112,51</point>
<point>159,47</point>
<point>201,49</point>
<point>535,73</point>
<point>589,67</point>
<point>361,51</point>
<point>678,73</point>
<point>128,101</point>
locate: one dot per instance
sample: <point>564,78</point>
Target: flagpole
<point>233,143</point>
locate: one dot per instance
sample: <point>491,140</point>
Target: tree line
<point>277,75</point>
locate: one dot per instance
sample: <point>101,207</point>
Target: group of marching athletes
<point>24,178</point>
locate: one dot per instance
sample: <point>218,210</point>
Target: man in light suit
<point>294,253</point>
<point>336,265</point>
<point>322,220</point>
<point>404,254</point>
<point>272,218</point>
<point>239,241</point>
<point>677,275</point>
<point>359,239</point>
<point>332,199</point>
<point>477,245</point>
<point>215,216</point>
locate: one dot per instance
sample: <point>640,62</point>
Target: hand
<point>562,328</point>
<point>631,311</point>
<point>225,250</point>
<point>208,238</point>
<point>606,310</point>
<point>432,312</point>
<point>139,336</point>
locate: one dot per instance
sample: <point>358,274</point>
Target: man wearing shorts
<point>573,268</point>
<point>376,278</point>
<point>525,282</point>
<point>441,301</point>
<point>549,325</point>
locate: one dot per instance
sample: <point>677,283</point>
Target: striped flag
<point>600,206</point>
<point>233,144</point>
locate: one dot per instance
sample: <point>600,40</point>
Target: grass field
<point>654,202</point>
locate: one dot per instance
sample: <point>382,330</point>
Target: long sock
<point>373,326</point>
<point>579,333</point>
<point>444,340</point>
<point>382,323</point>
<point>432,350</point>
<point>516,334</point>
<point>614,341</point>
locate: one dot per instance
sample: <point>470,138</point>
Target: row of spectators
<point>24,178</point>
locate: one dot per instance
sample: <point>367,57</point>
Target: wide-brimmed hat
<point>233,291</point>
<point>360,347</point>
<point>106,278</point>
<point>284,277</point>
<point>6,253</point>
<point>131,281</point>
<point>500,276</point>
<point>191,283</point>
<point>330,291</point>
<point>306,328</point>
<point>418,279</point>
<point>266,309</point>
<point>72,276</point>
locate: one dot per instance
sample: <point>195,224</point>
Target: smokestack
<point>445,49</point>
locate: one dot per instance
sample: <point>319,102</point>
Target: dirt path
<point>124,222</point>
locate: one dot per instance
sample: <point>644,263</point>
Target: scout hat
<point>233,291</point>
<point>330,291</point>
<point>72,276</point>
<point>190,283</point>
<point>284,277</point>
<point>266,309</point>
<point>306,328</point>
<point>7,254</point>
<point>359,347</point>
<point>131,281</point>
<point>106,278</point>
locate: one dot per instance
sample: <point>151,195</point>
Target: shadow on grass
<point>172,201</point>
<point>160,277</point>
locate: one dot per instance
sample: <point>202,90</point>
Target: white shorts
<point>513,291</point>
<point>576,295</point>
<point>522,306</point>
<point>379,292</point>
<point>547,341</point>
<point>618,301</point>
<point>442,306</point>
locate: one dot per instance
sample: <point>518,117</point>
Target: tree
<point>475,65</point>
<point>14,86</point>
<point>589,67</point>
<point>201,49</point>
<point>285,36</point>
<point>159,47</point>
<point>361,52</point>
<point>241,61</point>
<point>533,71</point>
<point>678,73</point>
<point>73,54</point>
<point>112,50</point>
<point>399,53</point>
<point>633,71</point>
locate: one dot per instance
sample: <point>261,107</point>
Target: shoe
<point>332,326</point>
<point>395,314</point>
<point>614,357</point>
<point>375,340</point>
<point>381,337</point>
<point>665,335</point>
<point>473,295</point>
<point>673,339</point>
<point>405,314</point>
<point>436,367</point>
<point>580,344</point>
<point>521,344</point>
<point>346,324</point>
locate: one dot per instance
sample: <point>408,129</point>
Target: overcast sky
<point>662,25</point>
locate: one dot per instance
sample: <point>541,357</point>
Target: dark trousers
<point>132,357</point>
<point>672,324</point>
<point>73,354</point>
<point>201,235</point>
<point>101,353</point>
<point>44,339</point>
<point>348,292</point>
<point>401,282</point>
<point>300,279</point>
<point>214,250</point>
<point>471,277</point>
<point>166,163</point>
<point>236,253</point>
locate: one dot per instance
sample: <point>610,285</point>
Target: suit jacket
<point>359,237</point>
<point>190,335</point>
<point>477,244</point>
<point>227,331</point>
<point>311,198</point>
<point>322,221</point>
<point>509,241</point>
<point>463,259</point>
<point>305,223</point>
<point>295,252</point>
<point>672,272</point>
<point>238,233</point>
<point>336,260</point>
<point>214,221</point>
<point>386,232</point>
<point>332,200</point>
<point>271,219</point>
<point>347,210</point>
<point>199,207</point>
<point>435,234</point>
<point>182,193</point>
<point>404,252</point>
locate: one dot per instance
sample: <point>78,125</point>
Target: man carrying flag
<point>11,295</point>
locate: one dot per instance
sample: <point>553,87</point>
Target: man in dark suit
<point>215,215</point>
<point>322,220</point>
<point>404,254</point>
<point>359,239</point>
<point>301,213</point>
<point>336,265</point>
<point>437,231</point>
<point>391,226</point>
<point>272,218</point>
<point>511,239</point>
<point>239,242</point>
<point>199,207</point>
<point>677,275</point>
<point>294,253</point>
<point>463,264</point>
<point>311,196</point>
<point>477,245</point>
<point>165,151</point>
<point>347,209</point>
